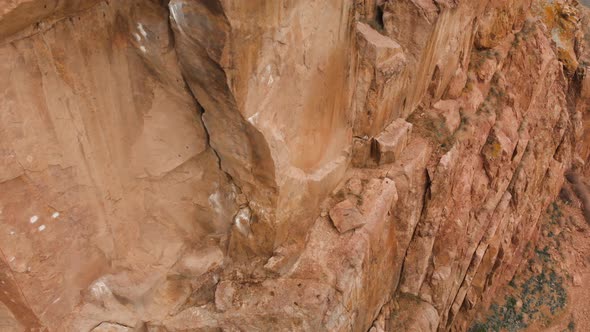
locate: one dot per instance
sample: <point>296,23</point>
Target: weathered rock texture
<point>301,165</point>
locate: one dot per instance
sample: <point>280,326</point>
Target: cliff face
<point>278,165</point>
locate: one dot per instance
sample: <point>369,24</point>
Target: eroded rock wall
<point>278,165</point>
<point>107,176</point>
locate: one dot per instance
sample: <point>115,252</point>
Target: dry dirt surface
<point>551,290</point>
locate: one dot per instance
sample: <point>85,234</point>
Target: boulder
<point>390,144</point>
<point>346,216</point>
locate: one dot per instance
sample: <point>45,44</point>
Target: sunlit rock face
<point>108,183</point>
<point>278,165</point>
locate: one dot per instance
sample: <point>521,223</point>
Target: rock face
<point>278,165</point>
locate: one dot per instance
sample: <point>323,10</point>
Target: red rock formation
<point>278,165</point>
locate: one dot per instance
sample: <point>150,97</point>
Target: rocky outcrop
<point>264,165</point>
<point>282,141</point>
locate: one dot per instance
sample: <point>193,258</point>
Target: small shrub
<point>571,326</point>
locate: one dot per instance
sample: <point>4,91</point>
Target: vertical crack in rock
<point>200,114</point>
<point>198,108</point>
<point>425,199</point>
<point>243,216</point>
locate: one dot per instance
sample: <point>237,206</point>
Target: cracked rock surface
<point>302,165</point>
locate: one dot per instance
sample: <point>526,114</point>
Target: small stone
<point>390,143</point>
<point>456,85</point>
<point>486,70</point>
<point>448,110</point>
<point>323,214</point>
<point>577,280</point>
<point>355,186</point>
<point>346,216</point>
<point>536,268</point>
<point>518,304</point>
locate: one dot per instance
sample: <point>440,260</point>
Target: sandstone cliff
<point>293,165</point>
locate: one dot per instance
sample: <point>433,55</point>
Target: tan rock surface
<point>278,165</point>
<point>98,185</point>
